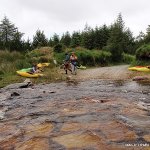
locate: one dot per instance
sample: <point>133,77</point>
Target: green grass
<point>50,75</point>
<point>13,61</point>
<point>6,56</point>
<point>10,79</point>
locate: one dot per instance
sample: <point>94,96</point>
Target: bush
<point>59,48</point>
<point>86,58</point>
<point>140,63</point>
<point>94,57</point>
<point>102,57</point>
<point>43,59</point>
<point>127,58</point>
<point>115,50</point>
<point>143,53</point>
<point>59,57</point>
<point>25,63</point>
<point>40,52</point>
<point>44,54</point>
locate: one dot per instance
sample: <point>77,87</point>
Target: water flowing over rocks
<point>86,115</point>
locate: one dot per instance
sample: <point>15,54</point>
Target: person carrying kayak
<point>73,60</point>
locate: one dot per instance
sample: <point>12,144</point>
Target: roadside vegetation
<point>99,46</point>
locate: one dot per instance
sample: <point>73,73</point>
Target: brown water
<point>89,115</point>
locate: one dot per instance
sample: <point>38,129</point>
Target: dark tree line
<point>11,38</point>
<point>115,38</point>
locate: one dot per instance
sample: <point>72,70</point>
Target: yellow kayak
<point>26,74</point>
<point>134,68</point>
<point>144,69</point>
<point>43,65</point>
<point>140,68</point>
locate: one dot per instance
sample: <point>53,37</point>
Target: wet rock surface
<point>86,115</point>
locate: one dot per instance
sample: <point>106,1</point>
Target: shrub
<point>94,57</point>
<point>115,50</point>
<point>140,63</point>
<point>127,58</point>
<point>59,48</point>
<point>143,53</point>
<point>44,54</point>
<point>40,52</point>
<point>22,63</point>
<point>43,59</point>
<point>87,57</point>
<point>59,57</point>
<point>1,73</point>
<point>102,57</point>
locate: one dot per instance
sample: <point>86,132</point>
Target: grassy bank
<point>10,62</point>
<point>13,61</point>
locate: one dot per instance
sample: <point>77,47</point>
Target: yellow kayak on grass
<point>29,75</point>
<point>43,65</point>
<point>139,68</point>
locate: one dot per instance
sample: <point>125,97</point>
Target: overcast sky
<point>59,16</point>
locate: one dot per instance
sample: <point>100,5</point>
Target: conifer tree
<point>55,39</point>
<point>8,34</point>
<point>101,37</point>
<point>17,43</point>
<point>140,40</point>
<point>121,40</point>
<point>39,40</point>
<point>66,39</point>
<point>88,37</point>
<point>147,36</point>
<point>75,39</point>
<point>27,45</point>
<point>128,42</point>
<point>50,42</point>
<point>115,42</point>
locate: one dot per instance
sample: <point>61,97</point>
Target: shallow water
<point>93,114</point>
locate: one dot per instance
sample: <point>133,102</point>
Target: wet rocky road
<point>85,115</point>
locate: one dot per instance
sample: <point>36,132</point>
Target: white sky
<point>59,16</point>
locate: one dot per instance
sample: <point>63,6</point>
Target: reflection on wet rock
<point>78,140</point>
<point>34,144</point>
